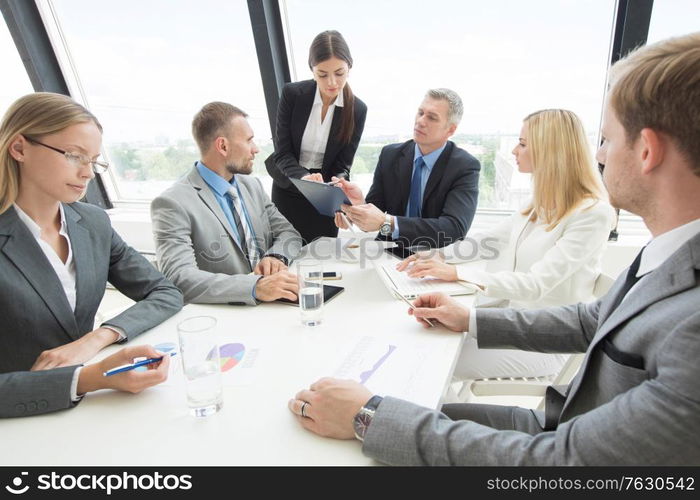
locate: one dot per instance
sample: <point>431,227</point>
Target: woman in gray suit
<point>57,254</point>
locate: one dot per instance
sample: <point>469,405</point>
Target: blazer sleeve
<point>457,212</point>
<point>565,329</point>
<point>156,298</point>
<point>584,236</point>
<point>23,394</point>
<point>346,155</point>
<point>653,423</point>
<point>176,258</point>
<point>284,157</point>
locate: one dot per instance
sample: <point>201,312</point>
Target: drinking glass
<point>310,274</point>
<point>199,351</point>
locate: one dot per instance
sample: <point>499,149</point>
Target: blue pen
<point>132,366</point>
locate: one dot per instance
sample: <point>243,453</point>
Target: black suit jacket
<point>449,201</point>
<point>292,115</point>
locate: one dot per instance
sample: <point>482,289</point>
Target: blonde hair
<point>563,171</point>
<point>658,86</point>
<point>33,115</point>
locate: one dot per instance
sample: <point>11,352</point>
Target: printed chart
<point>231,355</point>
<point>385,367</point>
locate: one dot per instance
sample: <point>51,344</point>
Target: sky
<point>147,66</point>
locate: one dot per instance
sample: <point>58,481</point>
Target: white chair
<point>532,386</point>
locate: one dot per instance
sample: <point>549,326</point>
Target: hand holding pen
<point>136,364</point>
<point>92,378</point>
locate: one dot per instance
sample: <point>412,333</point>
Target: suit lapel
<point>83,258</point>
<point>437,172</point>
<point>404,172</point>
<point>673,276</point>
<point>516,235</point>
<point>205,194</point>
<point>23,251</point>
<point>302,111</point>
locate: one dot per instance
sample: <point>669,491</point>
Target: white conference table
<point>254,427</point>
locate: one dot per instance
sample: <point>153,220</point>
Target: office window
<point>673,18</point>
<point>15,82</point>
<point>505,59</point>
<point>146,68</point>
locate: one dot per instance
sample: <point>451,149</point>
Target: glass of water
<point>310,273</point>
<point>199,351</point>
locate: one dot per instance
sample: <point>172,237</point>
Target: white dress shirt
<point>315,138</point>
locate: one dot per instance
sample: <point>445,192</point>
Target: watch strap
<point>280,257</point>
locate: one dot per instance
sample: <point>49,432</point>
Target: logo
<point>17,483</point>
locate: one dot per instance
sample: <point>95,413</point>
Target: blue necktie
<point>414,200</point>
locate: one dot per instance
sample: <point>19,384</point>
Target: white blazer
<point>527,266</point>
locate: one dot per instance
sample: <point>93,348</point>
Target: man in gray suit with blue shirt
<point>218,236</point>
<point>636,399</point>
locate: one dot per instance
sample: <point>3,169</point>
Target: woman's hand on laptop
<point>428,263</point>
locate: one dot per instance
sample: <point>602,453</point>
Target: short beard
<point>235,169</point>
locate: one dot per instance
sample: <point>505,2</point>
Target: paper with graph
<point>385,366</point>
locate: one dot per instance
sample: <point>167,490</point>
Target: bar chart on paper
<point>384,367</point>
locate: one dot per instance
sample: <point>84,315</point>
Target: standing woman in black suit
<point>319,125</point>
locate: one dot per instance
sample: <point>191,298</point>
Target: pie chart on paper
<point>231,355</point>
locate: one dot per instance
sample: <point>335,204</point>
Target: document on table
<point>385,366</point>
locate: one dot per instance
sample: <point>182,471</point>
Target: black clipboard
<point>329,291</point>
<point>325,199</point>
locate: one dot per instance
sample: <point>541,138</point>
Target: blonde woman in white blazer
<point>547,254</point>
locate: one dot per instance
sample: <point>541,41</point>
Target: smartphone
<point>331,275</point>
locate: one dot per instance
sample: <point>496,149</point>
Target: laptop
<point>400,284</point>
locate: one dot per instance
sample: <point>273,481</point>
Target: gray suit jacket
<point>196,247</point>
<point>636,399</point>
<point>35,312</point>
<point>31,393</point>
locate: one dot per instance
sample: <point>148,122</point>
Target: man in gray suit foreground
<point>636,399</point>
<point>218,236</point>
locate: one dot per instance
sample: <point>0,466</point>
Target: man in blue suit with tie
<point>425,190</point>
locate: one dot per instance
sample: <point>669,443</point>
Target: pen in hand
<point>341,175</point>
<point>347,221</point>
<point>132,366</point>
<point>412,306</point>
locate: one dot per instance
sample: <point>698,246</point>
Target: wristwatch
<point>280,257</point>
<point>364,417</point>
<point>385,228</point>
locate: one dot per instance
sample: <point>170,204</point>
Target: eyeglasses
<point>77,159</point>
